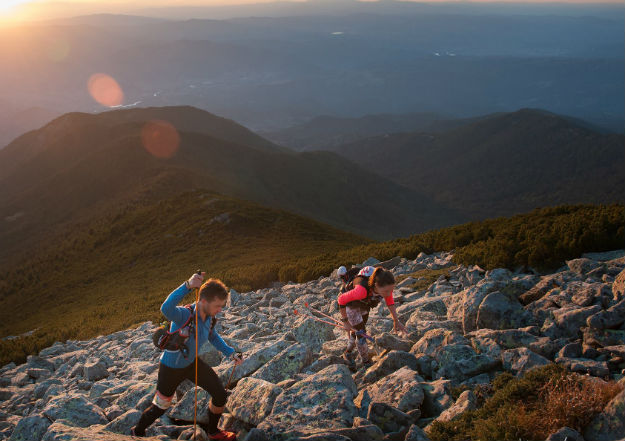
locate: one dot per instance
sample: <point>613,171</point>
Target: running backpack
<point>369,302</point>
<point>176,340</point>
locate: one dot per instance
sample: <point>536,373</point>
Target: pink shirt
<point>360,293</point>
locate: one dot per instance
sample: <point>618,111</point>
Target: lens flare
<point>160,139</point>
<point>105,90</point>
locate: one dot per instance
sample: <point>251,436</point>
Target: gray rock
<point>334,347</point>
<point>61,431</point>
<point>611,318</point>
<point>252,400</point>
<point>501,311</point>
<point>392,342</point>
<point>433,340</point>
<point>36,362</point>
<point>30,428</point>
<point>618,287</point>
<point>585,366</point>
<point>569,320</point>
<point>134,394</point>
<point>582,266</point>
<point>565,434</point>
<point>286,364</point>
<point>123,423</point>
<point>572,350</point>
<point>459,362</point>
<point>39,374</point>
<point>75,408</point>
<point>388,418</point>
<point>436,398</point>
<point>390,363</point>
<point>472,297</point>
<point>416,434</point>
<point>6,394</point>
<point>401,389</point>
<point>94,370</point>
<point>324,400</point>
<point>312,333</point>
<point>609,425</point>
<point>546,284</point>
<point>253,360</point>
<point>520,360</point>
<point>603,337</point>
<point>465,402</point>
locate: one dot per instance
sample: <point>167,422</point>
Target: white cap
<point>366,271</point>
<point>341,271</point>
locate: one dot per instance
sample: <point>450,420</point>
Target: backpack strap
<point>213,323</point>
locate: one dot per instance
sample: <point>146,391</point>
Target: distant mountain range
<point>501,164</point>
<point>81,166</point>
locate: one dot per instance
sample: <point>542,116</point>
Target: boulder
<point>253,360</point>
<point>609,425</point>
<point>611,318</point>
<point>134,394</point>
<point>75,408</point>
<point>30,428</point>
<point>392,342</point>
<point>286,364</point>
<point>252,400</point>
<point>472,298</point>
<point>312,333</point>
<point>416,434</point>
<point>585,366</point>
<point>436,398</point>
<point>582,266</point>
<point>324,400</point>
<point>565,434</point>
<point>401,389</point>
<point>501,311</point>
<point>388,418</point>
<point>433,340</point>
<point>390,363</point>
<point>459,362</point>
<point>618,287</point>
<point>466,401</point>
<point>124,422</point>
<point>570,319</point>
<point>520,360</point>
<point>60,431</point>
<point>94,370</point>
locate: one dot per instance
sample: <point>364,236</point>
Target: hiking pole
<point>338,323</point>
<point>234,366</point>
<point>197,299</point>
<point>368,337</point>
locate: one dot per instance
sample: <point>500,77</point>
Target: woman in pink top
<point>368,288</point>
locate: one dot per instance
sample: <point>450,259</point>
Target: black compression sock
<point>213,420</point>
<point>150,415</point>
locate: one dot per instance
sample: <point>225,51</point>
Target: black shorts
<point>169,379</point>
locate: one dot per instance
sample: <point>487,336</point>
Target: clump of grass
<point>425,277</point>
<point>530,408</point>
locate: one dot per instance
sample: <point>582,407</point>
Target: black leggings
<point>169,379</point>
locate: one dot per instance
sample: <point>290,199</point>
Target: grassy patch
<point>530,408</point>
<point>425,277</point>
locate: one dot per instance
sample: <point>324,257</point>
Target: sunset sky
<point>42,9</point>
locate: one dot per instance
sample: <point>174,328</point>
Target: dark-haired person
<point>174,366</point>
<point>369,287</point>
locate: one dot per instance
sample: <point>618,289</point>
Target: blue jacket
<point>178,316</point>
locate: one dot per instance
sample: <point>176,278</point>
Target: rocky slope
<point>465,328</point>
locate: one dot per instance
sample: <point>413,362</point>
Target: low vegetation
<point>530,408</point>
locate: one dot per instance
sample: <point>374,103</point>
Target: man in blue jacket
<point>176,366</point>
